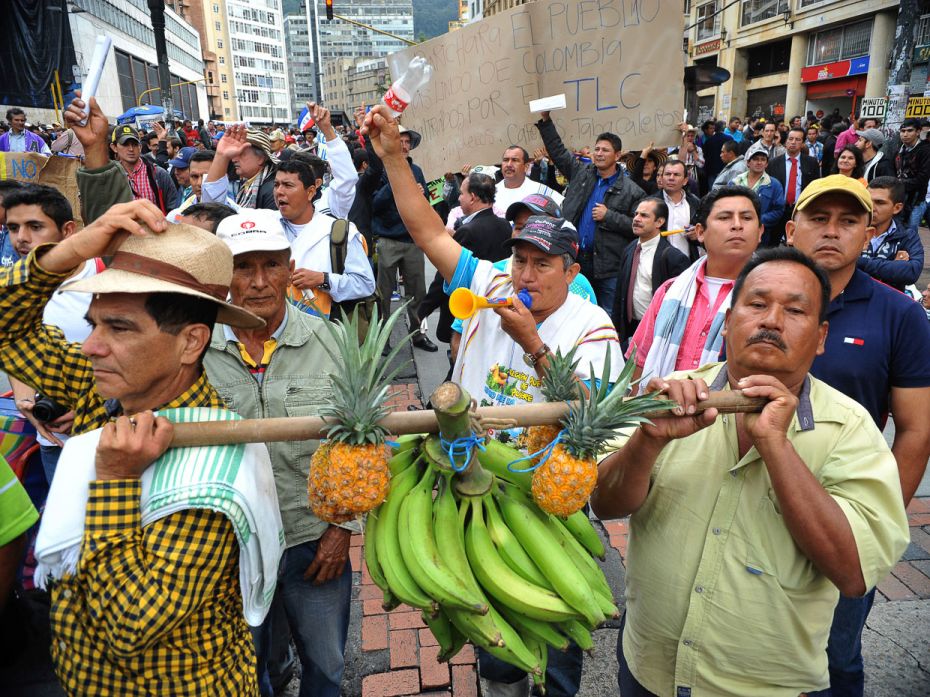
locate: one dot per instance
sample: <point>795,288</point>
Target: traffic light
<point>329,9</point>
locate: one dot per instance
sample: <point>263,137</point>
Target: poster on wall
<point>604,57</point>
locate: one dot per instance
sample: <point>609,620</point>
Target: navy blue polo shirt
<point>878,339</point>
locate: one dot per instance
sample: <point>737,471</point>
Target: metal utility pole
<point>314,32</point>
<point>157,11</point>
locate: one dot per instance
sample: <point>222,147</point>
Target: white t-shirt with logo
<point>490,364</point>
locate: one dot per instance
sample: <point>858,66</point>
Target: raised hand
<point>381,128</point>
<point>233,142</point>
<point>93,134</point>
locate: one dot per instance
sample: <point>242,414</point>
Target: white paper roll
<point>95,72</point>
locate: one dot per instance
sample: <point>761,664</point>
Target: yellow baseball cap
<point>835,184</point>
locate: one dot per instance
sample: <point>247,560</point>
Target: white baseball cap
<point>257,230</point>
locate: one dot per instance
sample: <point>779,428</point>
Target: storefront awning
<point>837,88</point>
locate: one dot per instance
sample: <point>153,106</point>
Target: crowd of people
<point>774,258</point>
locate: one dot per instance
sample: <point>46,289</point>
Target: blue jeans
<point>629,686</point>
<point>563,672</point>
<point>606,290</point>
<point>844,649</point>
<point>49,455</point>
<point>916,216</point>
<point>318,617</point>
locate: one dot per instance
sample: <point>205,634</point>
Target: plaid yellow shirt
<point>153,611</point>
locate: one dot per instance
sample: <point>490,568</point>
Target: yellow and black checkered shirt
<point>153,611</point>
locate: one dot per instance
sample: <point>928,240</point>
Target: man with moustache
<point>516,185</point>
<point>736,556</point>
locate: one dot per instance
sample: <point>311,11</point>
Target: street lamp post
<point>157,11</point>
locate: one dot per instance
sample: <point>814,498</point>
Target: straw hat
<point>660,157</point>
<point>259,139</point>
<point>184,259</point>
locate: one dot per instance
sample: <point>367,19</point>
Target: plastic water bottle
<point>407,85</point>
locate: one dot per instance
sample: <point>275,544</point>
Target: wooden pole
<point>403,422</point>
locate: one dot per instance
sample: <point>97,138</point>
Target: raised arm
<point>563,159</point>
<point>216,183</point>
<point>345,178</point>
<point>419,218</point>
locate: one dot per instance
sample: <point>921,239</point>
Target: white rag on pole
<point>235,480</point>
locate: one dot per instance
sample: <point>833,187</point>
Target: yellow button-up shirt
<point>151,611</point>
<point>720,599</point>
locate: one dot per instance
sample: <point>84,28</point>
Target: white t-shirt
<point>679,218</point>
<point>504,197</point>
<point>66,311</point>
<point>490,363</point>
<point>642,289</point>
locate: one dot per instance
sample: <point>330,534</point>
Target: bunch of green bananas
<point>491,569</point>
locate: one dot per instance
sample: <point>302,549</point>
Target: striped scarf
<point>671,322</point>
<point>248,194</point>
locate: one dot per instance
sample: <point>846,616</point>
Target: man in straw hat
<point>148,597</point>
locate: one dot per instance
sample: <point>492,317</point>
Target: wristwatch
<point>325,284</point>
<point>531,359</point>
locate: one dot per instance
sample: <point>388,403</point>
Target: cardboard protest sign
<point>434,188</point>
<point>618,62</point>
<point>33,168</point>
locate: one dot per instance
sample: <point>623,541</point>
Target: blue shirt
<point>588,225</point>
<point>878,339</point>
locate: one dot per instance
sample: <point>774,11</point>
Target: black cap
<point>551,235</point>
<point>123,133</point>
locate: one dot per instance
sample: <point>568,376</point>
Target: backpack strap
<point>338,245</point>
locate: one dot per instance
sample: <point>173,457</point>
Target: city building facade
<point>300,63</point>
<point>256,36</point>
<point>345,51</point>
<point>130,74</point>
<point>208,17</point>
<point>790,57</point>
<point>349,83</point>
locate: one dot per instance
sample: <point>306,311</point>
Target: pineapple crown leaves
<point>606,409</point>
<point>560,384</point>
<point>361,386</point>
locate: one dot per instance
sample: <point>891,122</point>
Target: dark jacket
<point>163,185</point>
<point>615,231</point>
<point>694,204</point>
<point>368,182</point>
<point>546,175</point>
<point>385,219</point>
<point>712,162</point>
<point>913,169</point>
<point>484,236</point>
<point>667,263</point>
<point>649,186</point>
<point>881,264</point>
<point>879,166</point>
<point>809,170</point>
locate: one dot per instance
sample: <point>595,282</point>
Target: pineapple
<point>349,474</point>
<point>559,384</point>
<point>564,482</point>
